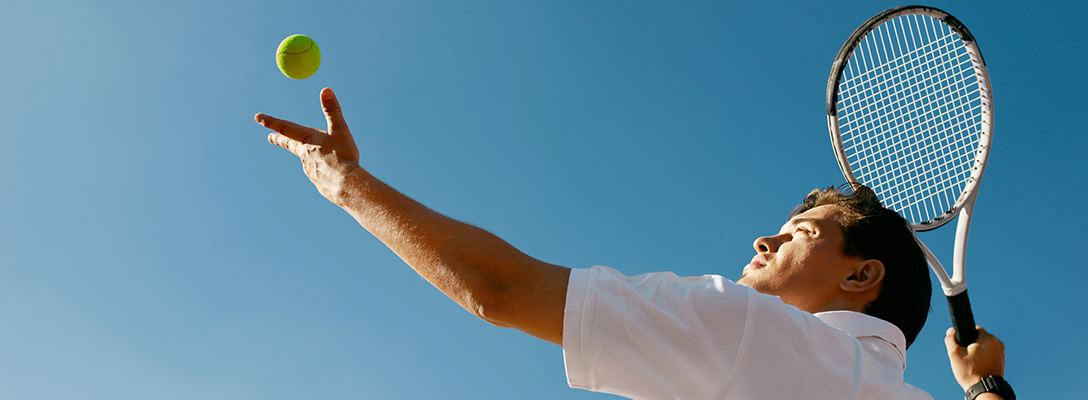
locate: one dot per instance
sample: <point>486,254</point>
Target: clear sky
<point>154,245</point>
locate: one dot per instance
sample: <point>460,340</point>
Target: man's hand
<point>983,358</point>
<point>328,157</point>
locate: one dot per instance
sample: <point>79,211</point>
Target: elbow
<point>494,308</point>
<point>543,320</point>
<point>536,309</point>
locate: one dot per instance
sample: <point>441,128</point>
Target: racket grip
<point>962,319</point>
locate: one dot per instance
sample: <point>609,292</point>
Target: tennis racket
<point>910,113</point>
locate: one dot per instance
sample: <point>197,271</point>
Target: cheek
<point>798,264</point>
<point>792,259</point>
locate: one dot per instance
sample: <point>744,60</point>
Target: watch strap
<point>991,384</point>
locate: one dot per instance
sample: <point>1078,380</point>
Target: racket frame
<point>954,287</point>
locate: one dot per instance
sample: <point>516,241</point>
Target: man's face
<point>803,264</point>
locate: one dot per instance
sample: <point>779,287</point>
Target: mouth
<point>758,261</point>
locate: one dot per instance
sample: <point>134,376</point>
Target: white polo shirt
<point>661,336</point>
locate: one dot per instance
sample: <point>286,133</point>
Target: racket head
<point>910,113</point>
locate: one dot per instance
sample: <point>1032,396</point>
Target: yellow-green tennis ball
<point>298,57</point>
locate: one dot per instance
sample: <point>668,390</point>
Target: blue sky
<point>154,245</point>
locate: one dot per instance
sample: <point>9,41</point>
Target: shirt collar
<point>861,325</point>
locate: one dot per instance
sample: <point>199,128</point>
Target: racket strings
<point>909,115</point>
<point>929,88</point>
<point>853,95</point>
<point>910,57</point>
<point>943,147</point>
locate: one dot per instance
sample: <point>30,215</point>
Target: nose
<point>768,244</point>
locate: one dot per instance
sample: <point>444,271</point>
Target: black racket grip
<point>962,319</point>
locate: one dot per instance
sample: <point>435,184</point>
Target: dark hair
<point>871,231</point>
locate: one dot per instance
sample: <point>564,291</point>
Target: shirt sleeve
<point>652,336</point>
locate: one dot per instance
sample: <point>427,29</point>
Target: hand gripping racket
<point>910,113</point>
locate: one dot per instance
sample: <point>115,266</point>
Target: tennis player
<point>825,310</point>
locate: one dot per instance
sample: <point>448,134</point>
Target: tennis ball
<point>298,57</point>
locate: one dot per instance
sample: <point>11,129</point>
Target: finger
<point>333,114</point>
<point>285,142</point>
<point>950,339</point>
<point>982,334</point>
<point>284,127</point>
<point>951,344</point>
<point>989,339</point>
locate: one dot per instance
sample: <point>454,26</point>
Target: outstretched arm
<point>984,357</point>
<point>487,276</point>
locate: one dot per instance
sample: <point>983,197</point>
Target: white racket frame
<point>964,205</point>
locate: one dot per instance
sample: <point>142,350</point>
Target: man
<point>810,321</point>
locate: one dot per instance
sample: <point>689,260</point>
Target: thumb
<point>333,114</point>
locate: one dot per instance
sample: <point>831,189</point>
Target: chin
<point>747,280</point>
<point>743,280</point>
<point>758,285</point>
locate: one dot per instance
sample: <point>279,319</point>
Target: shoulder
<point>733,341</point>
<point>629,335</point>
<point>658,287</point>
<point>838,355</point>
<point>869,329</point>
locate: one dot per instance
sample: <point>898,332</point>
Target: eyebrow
<point>800,220</point>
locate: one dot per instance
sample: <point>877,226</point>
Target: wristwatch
<point>991,384</point>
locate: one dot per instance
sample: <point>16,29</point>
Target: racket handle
<point>962,319</point>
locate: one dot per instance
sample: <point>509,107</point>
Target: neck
<point>846,303</point>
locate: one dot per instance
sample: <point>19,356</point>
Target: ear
<point>865,276</point>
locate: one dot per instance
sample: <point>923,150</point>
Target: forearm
<point>481,272</point>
